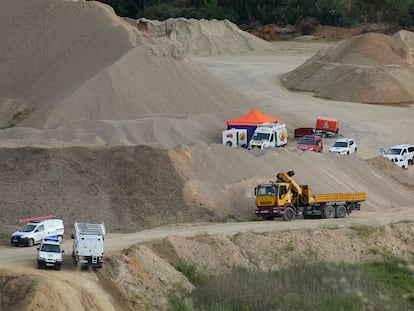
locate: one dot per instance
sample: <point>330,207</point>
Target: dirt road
<point>87,290</point>
<point>17,258</point>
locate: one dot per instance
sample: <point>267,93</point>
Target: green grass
<point>190,271</point>
<point>363,230</point>
<point>394,273</point>
<point>302,286</point>
<point>16,118</point>
<point>330,226</point>
<point>290,246</point>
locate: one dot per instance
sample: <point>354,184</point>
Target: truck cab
<point>269,135</point>
<point>271,196</point>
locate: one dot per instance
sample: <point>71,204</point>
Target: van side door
<point>39,233</point>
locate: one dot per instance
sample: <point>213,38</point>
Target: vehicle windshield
<point>261,136</point>
<point>267,190</point>
<point>28,228</point>
<point>50,248</point>
<point>306,142</point>
<point>393,151</point>
<point>340,144</point>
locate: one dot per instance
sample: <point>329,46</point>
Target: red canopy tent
<point>250,121</point>
<point>254,117</point>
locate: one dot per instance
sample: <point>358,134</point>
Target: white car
<point>402,155</point>
<point>344,146</point>
<point>50,254</point>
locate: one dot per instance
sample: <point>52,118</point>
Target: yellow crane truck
<point>286,198</point>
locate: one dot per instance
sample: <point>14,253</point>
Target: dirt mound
<point>205,37</point>
<point>34,290</point>
<point>223,179</point>
<point>150,270</point>
<point>129,188</point>
<point>81,68</point>
<point>369,68</point>
<point>132,188</point>
<point>16,290</point>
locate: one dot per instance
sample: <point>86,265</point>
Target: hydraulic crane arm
<point>287,177</point>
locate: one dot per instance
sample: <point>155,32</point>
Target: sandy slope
<point>205,37</point>
<point>369,68</point>
<point>86,69</point>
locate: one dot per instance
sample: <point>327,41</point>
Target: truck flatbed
<point>338,197</point>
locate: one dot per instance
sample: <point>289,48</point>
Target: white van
<point>402,155</point>
<point>36,229</point>
<point>269,135</point>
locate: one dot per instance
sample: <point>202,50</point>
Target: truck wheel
<point>30,242</point>
<point>340,211</point>
<point>288,214</point>
<point>229,143</point>
<point>329,211</point>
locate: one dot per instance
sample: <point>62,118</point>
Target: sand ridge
<point>369,68</point>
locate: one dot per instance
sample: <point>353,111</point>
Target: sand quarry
<point>121,123</point>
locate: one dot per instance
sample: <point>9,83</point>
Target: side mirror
<point>72,236</point>
<point>63,251</point>
<point>255,191</point>
<point>382,150</point>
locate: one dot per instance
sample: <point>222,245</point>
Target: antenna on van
<point>36,218</point>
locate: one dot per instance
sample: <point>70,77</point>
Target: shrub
<point>318,286</point>
<point>190,271</point>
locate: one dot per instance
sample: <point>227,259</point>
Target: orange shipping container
<point>325,124</point>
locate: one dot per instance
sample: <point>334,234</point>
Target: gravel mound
<point>370,68</point>
<point>205,37</point>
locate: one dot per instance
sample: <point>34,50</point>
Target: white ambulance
<point>269,135</point>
